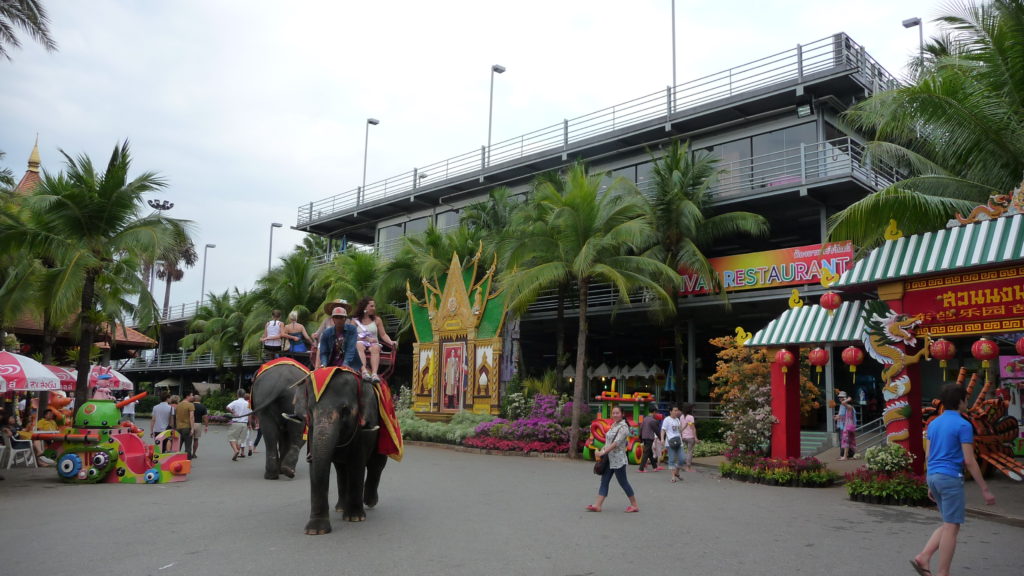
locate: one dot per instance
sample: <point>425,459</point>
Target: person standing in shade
<point>672,438</point>
<point>649,431</point>
<point>201,424</point>
<point>184,419</point>
<point>846,421</point>
<point>950,450</point>
<point>615,448</point>
<point>239,410</point>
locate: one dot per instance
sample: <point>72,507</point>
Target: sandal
<point>920,569</point>
<point>675,479</point>
<point>632,509</point>
<point>592,508</point>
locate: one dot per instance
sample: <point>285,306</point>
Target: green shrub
<point>888,458</point>
<point>218,400</point>
<point>454,432</point>
<point>712,430</point>
<point>516,406</point>
<point>704,449</point>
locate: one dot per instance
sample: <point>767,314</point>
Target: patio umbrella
<point>670,378</point>
<point>3,384</point>
<point>107,377</point>
<point>23,374</point>
<point>66,377</point>
<point>640,370</point>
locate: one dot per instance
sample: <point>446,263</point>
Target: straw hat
<point>330,306</point>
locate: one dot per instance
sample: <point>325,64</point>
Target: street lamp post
<point>673,55</point>
<point>497,68</point>
<point>366,144</point>
<point>910,23</point>
<point>270,253</point>
<point>202,291</point>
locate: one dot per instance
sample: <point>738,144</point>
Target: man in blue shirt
<point>338,342</point>
<point>950,449</point>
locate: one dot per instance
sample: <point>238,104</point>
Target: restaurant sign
<point>773,268</point>
<point>989,301</point>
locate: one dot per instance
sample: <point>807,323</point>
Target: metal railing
<point>183,360</point>
<point>837,53</point>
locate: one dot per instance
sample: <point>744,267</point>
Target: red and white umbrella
<point>23,374</point>
<point>107,377</point>
<point>67,377</point>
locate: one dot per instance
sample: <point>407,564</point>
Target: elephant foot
<point>269,476</point>
<point>289,472</point>
<point>318,526</point>
<point>355,517</point>
<point>370,500</point>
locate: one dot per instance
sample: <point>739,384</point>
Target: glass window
<point>777,154</point>
<point>734,162</point>
<point>417,226</point>
<point>446,220</point>
<point>388,240</point>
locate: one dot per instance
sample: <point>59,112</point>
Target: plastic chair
<point>26,455</point>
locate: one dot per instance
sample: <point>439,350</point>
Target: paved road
<point>446,512</point>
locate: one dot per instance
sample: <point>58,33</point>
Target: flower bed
<point>803,472</point>
<point>489,443</point>
<point>896,488</point>
<point>544,429</point>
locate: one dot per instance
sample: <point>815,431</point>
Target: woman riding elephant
<point>345,424</point>
<point>279,389</point>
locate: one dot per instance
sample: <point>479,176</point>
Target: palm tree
<point>171,266</point>
<point>589,234</point>
<point>958,131</point>
<point>95,236</point>
<point>6,177</point>
<point>294,285</point>
<point>30,16</point>
<point>680,209</point>
<point>223,328</point>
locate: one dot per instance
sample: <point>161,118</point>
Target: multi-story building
<point>773,122</point>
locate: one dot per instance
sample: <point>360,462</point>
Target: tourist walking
<point>950,450</point>
<point>650,429</point>
<point>672,438</point>
<point>253,432</point>
<point>615,448</point>
<point>689,435</point>
<point>846,421</point>
<point>161,416</point>
<point>201,424</point>
<point>239,410</point>
<point>128,411</point>
<point>184,418</point>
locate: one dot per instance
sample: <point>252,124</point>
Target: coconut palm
<point>30,16</point>
<point>94,232</point>
<point>957,132</point>
<point>172,264</point>
<point>589,233</point>
<point>680,209</point>
<point>223,328</point>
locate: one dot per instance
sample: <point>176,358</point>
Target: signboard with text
<point>989,301</point>
<point>773,268</point>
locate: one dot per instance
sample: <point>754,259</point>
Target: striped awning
<point>984,243</point>
<point>812,324</point>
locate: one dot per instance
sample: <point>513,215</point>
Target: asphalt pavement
<point>456,513</point>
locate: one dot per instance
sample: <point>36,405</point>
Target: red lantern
<point>818,358</point>
<point>830,301</point>
<point>943,350</point>
<point>985,350</point>
<point>1020,346</point>
<point>853,357</point>
<point>785,358</point>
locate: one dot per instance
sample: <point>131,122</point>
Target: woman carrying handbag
<point>615,448</point>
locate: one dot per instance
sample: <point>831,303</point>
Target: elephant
<point>277,390</point>
<point>344,426</point>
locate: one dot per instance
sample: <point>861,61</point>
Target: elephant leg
<point>343,487</point>
<point>323,439</point>
<point>374,468</point>
<point>291,447</point>
<point>271,440</point>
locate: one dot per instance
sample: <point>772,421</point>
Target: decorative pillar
<point>916,428</point>
<point>786,408</point>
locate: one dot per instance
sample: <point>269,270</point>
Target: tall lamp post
<point>202,292</point>
<point>366,145</point>
<point>499,69</point>
<point>910,23</point>
<point>270,253</point>
<point>673,55</point>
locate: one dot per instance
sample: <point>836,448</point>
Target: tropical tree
<point>223,327</point>
<point>30,16</point>
<point>294,285</point>
<point>6,177</point>
<point>90,226</point>
<point>957,132</point>
<point>171,266</point>
<point>314,247</point>
<point>589,233</point>
<point>686,227</point>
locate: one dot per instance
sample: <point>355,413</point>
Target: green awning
<point>987,243</point>
<point>812,324</point>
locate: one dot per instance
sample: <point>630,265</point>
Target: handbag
<point>601,465</point>
<point>675,442</point>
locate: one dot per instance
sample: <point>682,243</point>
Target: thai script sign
<point>983,302</point>
<point>773,268</point>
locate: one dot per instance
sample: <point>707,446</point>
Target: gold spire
<point>33,159</point>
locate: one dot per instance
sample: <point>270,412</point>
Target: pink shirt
<point>689,430</point>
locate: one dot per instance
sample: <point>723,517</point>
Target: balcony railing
<point>838,52</point>
<point>183,360</point>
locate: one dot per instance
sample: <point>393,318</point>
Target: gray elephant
<point>345,423</point>
<point>280,389</point>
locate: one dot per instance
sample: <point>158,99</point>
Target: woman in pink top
<point>689,434</point>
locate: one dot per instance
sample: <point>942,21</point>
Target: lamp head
<point>276,225</point>
<point>372,121</point>
<point>911,22</point>
<point>498,68</point>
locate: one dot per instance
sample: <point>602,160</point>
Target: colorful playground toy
<point>600,426</point>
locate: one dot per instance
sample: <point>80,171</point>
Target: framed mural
<point>453,376</point>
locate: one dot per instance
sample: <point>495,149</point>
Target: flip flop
<point>592,508</point>
<point>920,569</point>
<point>632,509</point>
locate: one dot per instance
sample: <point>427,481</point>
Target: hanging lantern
<point>944,351</point>
<point>1020,345</point>
<point>785,359</point>
<point>830,301</point>
<point>985,350</point>
<point>853,357</point>
<point>818,358</point>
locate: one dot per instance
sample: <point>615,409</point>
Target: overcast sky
<point>250,108</point>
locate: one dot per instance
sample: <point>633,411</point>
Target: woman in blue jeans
<point>672,438</point>
<point>615,448</point>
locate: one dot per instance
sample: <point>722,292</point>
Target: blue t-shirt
<point>945,435</point>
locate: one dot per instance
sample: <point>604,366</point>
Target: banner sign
<point>773,268</point>
<point>989,301</point>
